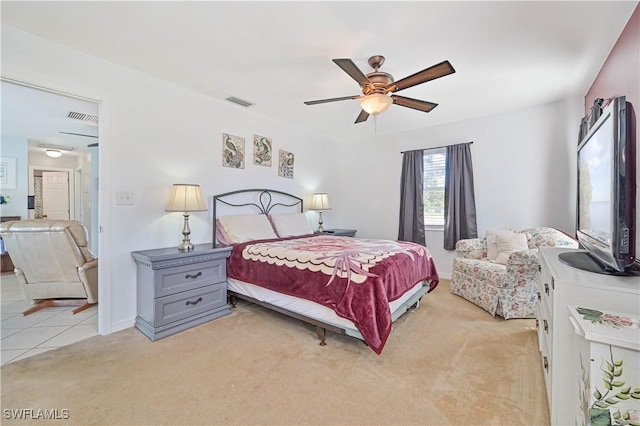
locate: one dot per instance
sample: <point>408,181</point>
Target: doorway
<point>37,122</point>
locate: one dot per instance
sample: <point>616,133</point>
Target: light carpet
<point>446,363</point>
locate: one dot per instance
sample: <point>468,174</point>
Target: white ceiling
<point>41,116</point>
<point>507,55</point>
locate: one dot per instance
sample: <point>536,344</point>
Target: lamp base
<point>320,222</point>
<point>185,245</point>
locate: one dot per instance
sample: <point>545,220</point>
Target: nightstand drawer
<point>189,303</point>
<point>172,280</point>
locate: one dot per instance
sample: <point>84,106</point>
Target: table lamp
<point>186,198</point>
<point>320,202</point>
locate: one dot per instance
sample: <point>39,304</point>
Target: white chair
<point>52,262</point>
<point>508,290</point>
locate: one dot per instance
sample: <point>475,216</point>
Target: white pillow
<point>492,249</point>
<point>290,224</point>
<point>510,243</point>
<point>221,236</point>
<point>241,228</point>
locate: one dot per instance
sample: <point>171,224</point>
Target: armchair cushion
<point>506,244</point>
<point>491,240</point>
<point>507,290</point>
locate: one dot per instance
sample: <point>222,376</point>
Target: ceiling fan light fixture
<point>376,103</point>
<point>54,153</point>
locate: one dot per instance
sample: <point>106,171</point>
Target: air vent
<point>239,101</point>
<point>89,119</point>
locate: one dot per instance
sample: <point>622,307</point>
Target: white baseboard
<point>121,325</point>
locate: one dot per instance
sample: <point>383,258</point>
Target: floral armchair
<point>507,290</point>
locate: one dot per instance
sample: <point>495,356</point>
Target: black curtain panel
<point>459,197</point>
<point>411,203</point>
<point>596,111</point>
<point>584,128</point>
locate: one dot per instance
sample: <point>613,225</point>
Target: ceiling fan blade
<point>79,134</point>
<point>350,68</point>
<point>413,103</point>
<point>322,101</point>
<point>362,117</point>
<point>431,73</point>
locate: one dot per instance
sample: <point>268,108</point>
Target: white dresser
<point>561,286</point>
<point>607,366</point>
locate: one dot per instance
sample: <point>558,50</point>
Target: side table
<point>179,290</point>
<point>340,232</point>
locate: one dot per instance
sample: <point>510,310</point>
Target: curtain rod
<point>437,147</point>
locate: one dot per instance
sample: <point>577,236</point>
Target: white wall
<point>524,173</point>
<point>15,147</point>
<point>154,134</point>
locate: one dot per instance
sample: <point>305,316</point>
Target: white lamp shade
<point>376,103</point>
<point>319,201</point>
<point>186,198</point>
<point>54,153</point>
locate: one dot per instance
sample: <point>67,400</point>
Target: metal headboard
<point>264,204</point>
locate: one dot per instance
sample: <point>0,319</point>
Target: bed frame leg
<point>321,335</point>
<point>233,300</point>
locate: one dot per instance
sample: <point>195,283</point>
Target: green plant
<point>597,317</point>
<point>4,199</point>
<point>615,391</point>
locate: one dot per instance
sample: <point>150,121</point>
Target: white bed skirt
<point>317,311</point>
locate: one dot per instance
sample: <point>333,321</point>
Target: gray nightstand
<point>179,290</point>
<point>341,232</point>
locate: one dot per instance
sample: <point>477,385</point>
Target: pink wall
<point>620,74</point>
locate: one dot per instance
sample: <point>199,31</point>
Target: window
<point>434,175</point>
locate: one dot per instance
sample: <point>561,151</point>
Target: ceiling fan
<point>377,85</point>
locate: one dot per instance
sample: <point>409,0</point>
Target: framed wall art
<point>262,151</point>
<point>285,164</point>
<point>233,151</point>
<point>7,173</point>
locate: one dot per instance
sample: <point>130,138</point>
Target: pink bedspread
<point>355,277</point>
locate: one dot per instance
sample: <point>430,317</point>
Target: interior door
<point>55,195</point>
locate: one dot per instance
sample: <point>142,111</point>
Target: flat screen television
<point>606,194</point>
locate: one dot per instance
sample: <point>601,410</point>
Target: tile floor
<point>41,331</point>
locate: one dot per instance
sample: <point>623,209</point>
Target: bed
<point>352,286</point>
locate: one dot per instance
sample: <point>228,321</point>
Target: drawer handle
<point>546,363</point>
<point>545,325</point>
<point>189,302</point>
<point>546,288</point>
<point>193,276</point>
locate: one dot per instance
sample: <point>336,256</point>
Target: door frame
<point>105,102</point>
